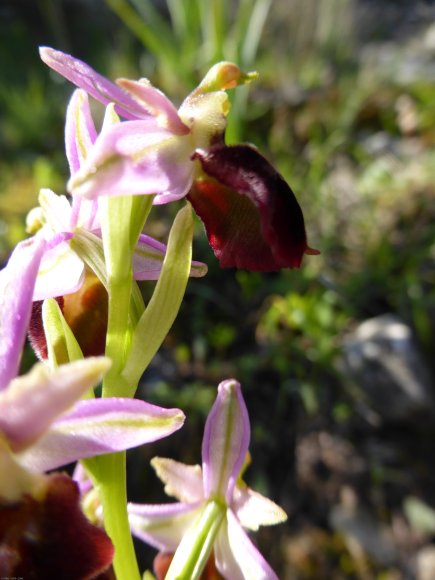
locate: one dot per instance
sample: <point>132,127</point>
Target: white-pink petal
<point>61,272</point>
<point>17,281</point>
<point>135,158</point>
<point>236,556</point>
<point>98,426</point>
<point>157,103</point>
<point>148,259</point>
<point>86,78</point>
<point>254,510</point>
<point>162,526</point>
<point>56,209</point>
<point>225,442</point>
<point>33,401</point>
<point>184,482</point>
<point>80,132</point>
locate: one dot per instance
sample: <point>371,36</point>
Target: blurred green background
<point>345,109</point>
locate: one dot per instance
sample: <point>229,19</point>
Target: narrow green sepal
<point>62,346</point>
<point>90,249</point>
<point>140,208</point>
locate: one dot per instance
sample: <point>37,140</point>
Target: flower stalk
<point>195,549</point>
<point>113,494</point>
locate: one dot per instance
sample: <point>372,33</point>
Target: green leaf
<point>165,302</point>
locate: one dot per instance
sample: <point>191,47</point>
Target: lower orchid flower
<point>250,213</point>
<point>214,505</point>
<point>43,422</point>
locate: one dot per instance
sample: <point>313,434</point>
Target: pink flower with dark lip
<point>43,421</point>
<point>59,221</point>
<point>251,216</point>
<point>224,450</point>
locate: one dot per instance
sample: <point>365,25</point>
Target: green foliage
<point>189,36</point>
<point>356,145</point>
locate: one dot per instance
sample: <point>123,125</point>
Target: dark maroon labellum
<point>251,215</point>
<point>49,536</point>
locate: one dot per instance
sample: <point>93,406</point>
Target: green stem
<point>110,470</point>
<point>196,546</point>
<point>113,494</point>
<point>118,334</point>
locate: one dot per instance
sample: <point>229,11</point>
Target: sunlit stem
<point>122,221</point>
<point>196,546</point>
<point>118,334</point>
<point>112,487</point>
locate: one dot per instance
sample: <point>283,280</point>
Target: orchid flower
<point>214,503</point>
<point>43,422</point>
<point>251,216</point>
<point>62,269</point>
<point>29,408</point>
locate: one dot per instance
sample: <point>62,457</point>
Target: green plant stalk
<point>196,546</point>
<point>118,335</point>
<point>111,469</point>
<point>116,218</point>
<point>112,485</point>
<point>122,220</point>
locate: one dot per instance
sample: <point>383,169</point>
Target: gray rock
<point>382,359</point>
<point>426,563</point>
<point>362,531</point>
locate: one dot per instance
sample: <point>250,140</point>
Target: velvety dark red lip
<point>251,215</point>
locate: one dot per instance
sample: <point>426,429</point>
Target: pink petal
<point>236,556</point>
<point>80,135</point>
<point>98,426</point>
<point>84,77</point>
<point>162,526</point>
<point>80,132</point>
<point>156,103</point>
<point>251,215</point>
<point>17,281</point>
<point>148,260</point>
<point>33,401</point>
<point>82,479</point>
<point>135,158</point>
<point>225,442</point>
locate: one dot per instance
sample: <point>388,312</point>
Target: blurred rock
<point>363,532</point>
<point>426,563</point>
<point>325,462</point>
<point>382,358</point>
